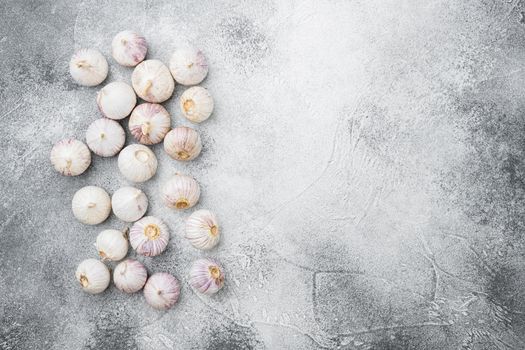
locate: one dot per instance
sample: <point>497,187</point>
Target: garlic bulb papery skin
<point>149,123</point>
<point>88,67</point>
<point>116,100</point>
<point>188,66</point>
<point>206,276</point>
<point>181,192</point>
<point>112,245</point>
<point>91,205</point>
<point>152,81</point>
<point>129,204</point>
<point>162,291</point>
<point>129,48</point>
<point>130,276</point>
<point>183,143</point>
<point>149,236</point>
<point>137,163</point>
<point>70,157</point>
<point>93,275</point>
<point>196,104</point>
<point>105,137</point>
<point>202,229</point>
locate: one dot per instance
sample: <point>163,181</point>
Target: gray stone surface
<point>365,158</point>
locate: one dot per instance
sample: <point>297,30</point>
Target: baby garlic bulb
<point>162,291</point>
<point>149,123</point>
<point>129,204</point>
<point>70,157</point>
<point>206,276</point>
<point>149,236</point>
<point>188,66</point>
<point>152,81</point>
<point>93,276</point>
<point>112,245</point>
<point>181,192</point>
<point>130,276</point>
<point>202,229</point>
<point>105,137</point>
<point>88,67</point>
<point>116,100</point>
<point>91,205</point>
<point>137,163</point>
<point>183,143</point>
<point>196,104</point>
<point>129,48</point>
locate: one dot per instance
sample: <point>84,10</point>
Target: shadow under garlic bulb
<point>180,192</point>
<point>129,48</point>
<point>188,66</point>
<point>137,163</point>
<point>206,276</point>
<point>105,137</point>
<point>70,157</point>
<point>91,205</point>
<point>196,104</point>
<point>152,81</point>
<point>88,67</point>
<point>162,291</point>
<point>202,229</point>
<point>116,100</point>
<point>149,236</point>
<point>183,143</point>
<point>149,123</point>
<point>93,276</point>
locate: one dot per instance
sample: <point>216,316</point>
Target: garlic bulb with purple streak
<point>188,66</point>
<point>129,204</point>
<point>105,137</point>
<point>181,192</point>
<point>70,157</point>
<point>116,100</point>
<point>129,48</point>
<point>206,276</point>
<point>196,104</point>
<point>112,245</point>
<point>93,276</point>
<point>183,143</point>
<point>91,205</point>
<point>149,236</point>
<point>152,81</point>
<point>202,229</point>
<point>149,123</point>
<point>88,67</point>
<point>130,276</point>
<point>162,291</point>
<point>137,163</point>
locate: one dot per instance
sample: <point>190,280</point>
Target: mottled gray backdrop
<point>365,159</point>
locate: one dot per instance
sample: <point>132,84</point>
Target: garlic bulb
<point>112,245</point>
<point>129,48</point>
<point>149,123</point>
<point>130,276</point>
<point>88,67</point>
<point>93,276</point>
<point>152,81</point>
<point>183,143</point>
<point>137,163</point>
<point>202,229</point>
<point>149,236</point>
<point>206,276</point>
<point>70,157</point>
<point>162,291</point>
<point>188,66</point>
<point>116,100</point>
<point>181,192</point>
<point>196,104</point>
<point>105,137</point>
<point>129,204</point>
<point>91,205</point>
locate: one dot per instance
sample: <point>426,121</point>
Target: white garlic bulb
<point>181,192</point>
<point>183,143</point>
<point>70,157</point>
<point>129,204</point>
<point>188,66</point>
<point>112,245</point>
<point>105,137</point>
<point>88,67</point>
<point>137,163</point>
<point>93,276</point>
<point>152,81</point>
<point>196,104</point>
<point>116,100</point>
<point>130,276</point>
<point>162,291</point>
<point>202,229</point>
<point>129,48</point>
<point>149,123</point>
<point>149,236</point>
<point>91,205</point>
<point>206,276</point>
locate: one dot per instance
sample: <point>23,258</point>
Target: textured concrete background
<point>365,158</point>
